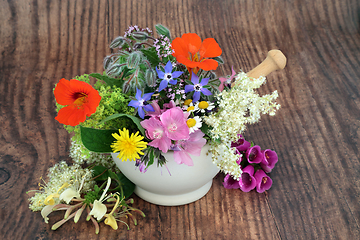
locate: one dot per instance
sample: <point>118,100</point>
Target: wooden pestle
<point>275,60</point>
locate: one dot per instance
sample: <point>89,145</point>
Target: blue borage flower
<point>140,101</point>
<point>168,76</point>
<point>198,87</point>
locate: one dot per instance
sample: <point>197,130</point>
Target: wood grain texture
<point>316,186</point>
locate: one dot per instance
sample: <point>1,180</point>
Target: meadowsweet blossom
<point>237,108</point>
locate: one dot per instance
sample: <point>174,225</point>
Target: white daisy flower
<point>194,124</point>
<point>204,105</point>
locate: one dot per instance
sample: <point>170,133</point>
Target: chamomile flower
<point>194,124</point>
<point>204,105</point>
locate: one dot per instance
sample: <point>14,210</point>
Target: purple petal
<point>230,183</point>
<point>247,180</point>
<point>141,112</point>
<point>163,84</point>
<point>176,74</point>
<point>189,88</point>
<point>147,96</point>
<point>196,96</point>
<point>173,82</point>
<point>263,181</point>
<point>269,160</point>
<point>160,73</point>
<point>148,108</point>
<point>204,81</point>
<point>134,104</point>
<point>138,94</point>
<point>254,154</point>
<point>206,91</point>
<point>168,67</point>
<point>194,78</point>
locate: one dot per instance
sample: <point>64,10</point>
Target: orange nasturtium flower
<point>80,99</point>
<point>190,51</point>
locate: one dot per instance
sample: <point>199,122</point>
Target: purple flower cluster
<point>254,163</point>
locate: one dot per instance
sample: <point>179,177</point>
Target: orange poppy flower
<point>80,99</point>
<point>190,51</point>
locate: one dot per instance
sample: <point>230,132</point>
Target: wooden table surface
<point>316,186</point>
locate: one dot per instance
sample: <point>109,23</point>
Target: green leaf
<point>108,80</point>
<point>134,119</point>
<point>100,172</point>
<point>126,184</point>
<point>219,60</point>
<point>97,140</point>
<point>150,54</point>
<point>151,158</point>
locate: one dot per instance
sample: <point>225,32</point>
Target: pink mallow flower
<point>192,146</point>
<point>174,122</point>
<point>156,132</point>
<point>247,180</point>
<point>269,160</point>
<point>254,154</point>
<point>263,181</point>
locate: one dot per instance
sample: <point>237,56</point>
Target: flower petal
<point>160,73</point>
<point>189,88</point>
<point>147,96</point>
<point>193,41</point>
<point>163,84</point>
<point>134,103</point>
<point>69,194</point>
<point>204,81</point>
<point>168,67</point>
<point>180,47</point>
<point>194,78</point>
<point>138,94</point>
<point>208,64</point>
<point>176,74</point>
<point>206,91</point>
<point>99,210</point>
<point>141,112</point>
<point>210,48</point>
<point>196,96</point>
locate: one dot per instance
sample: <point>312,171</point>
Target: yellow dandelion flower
<point>129,147</point>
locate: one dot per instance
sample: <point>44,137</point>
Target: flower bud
<point>126,87</point>
<point>113,70</point>
<point>134,59</point>
<point>150,77</point>
<point>107,62</point>
<point>140,36</point>
<point>117,42</point>
<point>161,30</point>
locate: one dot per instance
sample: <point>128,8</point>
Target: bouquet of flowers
<point>155,95</point>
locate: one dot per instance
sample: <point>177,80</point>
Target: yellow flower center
<point>190,108</point>
<point>191,122</point>
<point>203,105</point>
<point>187,102</point>
<point>81,98</point>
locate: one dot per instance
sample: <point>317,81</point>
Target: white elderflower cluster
<point>225,158</point>
<point>237,108</point>
<point>60,175</point>
<point>80,155</point>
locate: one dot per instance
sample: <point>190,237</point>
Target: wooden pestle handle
<point>275,60</point>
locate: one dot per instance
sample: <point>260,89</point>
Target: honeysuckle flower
<point>110,219</point>
<point>49,200</point>
<point>190,51</point>
<point>198,87</point>
<point>263,181</point>
<point>80,99</point>
<point>194,124</point>
<point>193,146</point>
<point>140,103</point>
<point>269,160</point>
<point>247,181</point>
<point>254,155</point>
<point>99,209</point>
<point>156,132</point>
<point>204,106</point>
<point>71,193</point>
<point>226,80</point>
<point>174,122</point>
<point>241,144</point>
<point>129,147</point>
<point>168,77</point>
<point>230,182</point>
<point>46,211</point>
